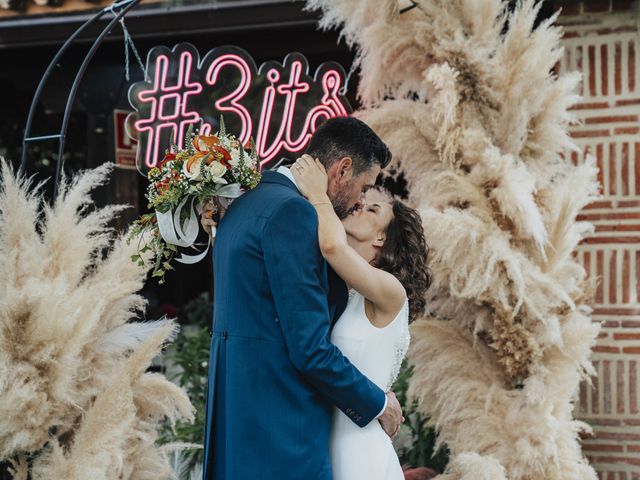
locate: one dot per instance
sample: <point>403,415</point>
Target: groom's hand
<point>391,418</point>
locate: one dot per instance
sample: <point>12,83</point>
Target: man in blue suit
<point>273,373</point>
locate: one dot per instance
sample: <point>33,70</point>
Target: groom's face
<point>346,191</point>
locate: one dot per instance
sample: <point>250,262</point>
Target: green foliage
<point>190,353</point>
<point>198,311</point>
<point>416,442</point>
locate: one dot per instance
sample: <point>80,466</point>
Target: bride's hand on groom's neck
<point>311,178</point>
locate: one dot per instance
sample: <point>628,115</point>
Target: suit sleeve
<point>294,268</point>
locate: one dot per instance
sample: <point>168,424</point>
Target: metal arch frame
<point>119,8</point>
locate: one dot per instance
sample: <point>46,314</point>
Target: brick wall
<point>602,40</point>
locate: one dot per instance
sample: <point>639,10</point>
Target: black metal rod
<point>76,83</point>
<point>43,81</point>
<point>410,7</point>
<point>44,137</point>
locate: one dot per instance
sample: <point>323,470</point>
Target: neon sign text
<point>278,105</point>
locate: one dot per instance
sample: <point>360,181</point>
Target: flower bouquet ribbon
<point>208,166</point>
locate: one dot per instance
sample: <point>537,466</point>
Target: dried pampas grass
<point>464,94</point>
<point>74,395</point>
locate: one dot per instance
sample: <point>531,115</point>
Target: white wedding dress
<point>367,453</point>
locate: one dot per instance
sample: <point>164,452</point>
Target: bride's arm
<point>381,288</point>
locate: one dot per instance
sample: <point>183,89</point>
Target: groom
<point>273,373</point>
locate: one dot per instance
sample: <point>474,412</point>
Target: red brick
<point>613,189</point>
<point>618,435</point>
<point>599,204</point>
<point>604,66</point>
<point>632,350</point>
<point>609,240</point>
<point>583,397</point>
<point>629,460</point>
<point>627,130</point>
<point>626,266</point>
<point>625,169</point>
<point>591,134</point>
<point>610,324</point>
<point>614,311</point>
<point>606,349</point>
<point>599,274</point>
<point>620,386</point>
<point>633,448</point>
<point>591,49</point>
<point>612,276</point>
<point>589,106</point>
<point>612,119</point>
<point>608,216</point>
<point>618,68</point>
<point>631,203</point>
<point>607,389</point>
<point>600,163</point>
<point>633,395</point>
<point>637,167</point>
<point>617,228</point>
<point>605,422</point>
<point>638,270</point>
<point>624,103</point>
<point>626,336</point>
<point>631,323</point>
<point>595,402</point>
<point>631,66</point>
<point>603,447</point>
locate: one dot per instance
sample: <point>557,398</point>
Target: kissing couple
<point>313,294</point>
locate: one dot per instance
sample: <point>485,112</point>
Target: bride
<point>380,252</point>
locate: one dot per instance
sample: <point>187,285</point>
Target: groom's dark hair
<point>342,137</point>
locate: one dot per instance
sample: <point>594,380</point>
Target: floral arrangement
<point>208,166</point>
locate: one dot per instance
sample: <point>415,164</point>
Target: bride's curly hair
<point>404,255</point>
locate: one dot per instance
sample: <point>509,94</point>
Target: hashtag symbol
<point>167,103</point>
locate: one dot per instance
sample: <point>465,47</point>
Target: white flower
<point>217,171</point>
<point>235,157</point>
<point>193,172</point>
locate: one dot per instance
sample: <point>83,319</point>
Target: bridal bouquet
<point>209,166</point>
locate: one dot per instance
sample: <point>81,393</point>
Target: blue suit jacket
<point>273,372</point>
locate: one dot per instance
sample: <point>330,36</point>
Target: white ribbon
<point>184,234</point>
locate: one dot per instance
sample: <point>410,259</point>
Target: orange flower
<point>217,150</point>
<point>167,158</point>
<point>202,143</point>
<point>193,159</point>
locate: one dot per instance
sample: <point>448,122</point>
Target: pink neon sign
<point>278,105</point>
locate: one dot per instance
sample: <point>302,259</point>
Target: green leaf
<point>222,131</point>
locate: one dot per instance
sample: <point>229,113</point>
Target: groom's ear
<point>344,169</point>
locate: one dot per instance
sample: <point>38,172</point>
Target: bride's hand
<point>207,220</point>
<point>311,178</point>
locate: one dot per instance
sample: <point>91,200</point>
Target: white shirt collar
<point>287,173</point>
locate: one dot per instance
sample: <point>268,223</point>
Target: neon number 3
<point>234,97</point>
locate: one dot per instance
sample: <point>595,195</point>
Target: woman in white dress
<point>380,252</point>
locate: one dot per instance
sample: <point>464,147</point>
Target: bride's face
<point>365,228</point>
